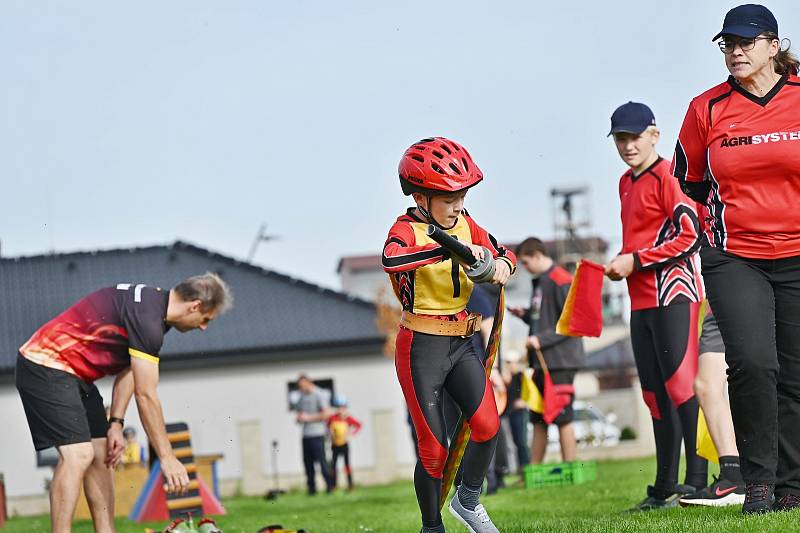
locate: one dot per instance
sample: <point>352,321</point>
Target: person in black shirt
<point>563,355</point>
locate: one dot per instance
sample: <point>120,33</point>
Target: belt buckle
<point>472,320</point>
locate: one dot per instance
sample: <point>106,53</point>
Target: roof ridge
<point>193,248</point>
<point>187,246</point>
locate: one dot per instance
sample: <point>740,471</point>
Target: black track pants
<point>427,365</point>
<point>757,307</point>
<point>664,343</point>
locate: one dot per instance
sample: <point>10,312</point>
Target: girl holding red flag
<point>660,239</point>
<point>434,351</point>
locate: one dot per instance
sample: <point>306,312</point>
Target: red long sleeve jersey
<point>661,229</point>
<point>424,278</point>
<point>748,149</point>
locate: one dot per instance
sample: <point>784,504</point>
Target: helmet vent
<point>455,169</point>
<point>427,140</point>
<point>466,165</point>
<point>437,168</point>
<point>438,154</point>
<point>419,158</point>
<point>446,149</point>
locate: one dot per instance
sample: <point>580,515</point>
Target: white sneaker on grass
<point>476,521</point>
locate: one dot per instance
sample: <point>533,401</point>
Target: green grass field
<point>592,507</point>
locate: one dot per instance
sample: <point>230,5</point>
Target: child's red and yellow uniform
<point>429,283</point>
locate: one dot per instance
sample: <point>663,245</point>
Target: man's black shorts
<point>60,407</point>
<point>560,376</point>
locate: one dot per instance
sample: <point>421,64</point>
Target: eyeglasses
<point>727,46</point>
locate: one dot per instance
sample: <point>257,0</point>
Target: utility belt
<point>437,326</point>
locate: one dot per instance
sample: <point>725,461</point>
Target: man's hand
<point>532,343</point>
<point>302,417</point>
<point>620,267</point>
<point>501,273</point>
<point>175,477</point>
<point>115,445</point>
<point>517,311</point>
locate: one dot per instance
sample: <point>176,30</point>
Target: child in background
<point>133,453</point>
<point>339,427</point>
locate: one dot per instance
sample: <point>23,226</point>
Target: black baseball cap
<point>748,21</point>
<point>632,117</point>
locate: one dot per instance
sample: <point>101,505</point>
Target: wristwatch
<point>120,421</point>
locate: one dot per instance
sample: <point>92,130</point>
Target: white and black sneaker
<point>476,521</point>
<point>721,493</point>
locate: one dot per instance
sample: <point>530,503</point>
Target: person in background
<point>484,303</point>
<point>133,454</point>
<point>313,409</point>
<point>517,411</point>
<point>709,386</point>
<point>342,426</point>
<point>563,355</point>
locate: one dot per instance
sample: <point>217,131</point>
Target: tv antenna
<point>571,214</point>
<point>261,236</point>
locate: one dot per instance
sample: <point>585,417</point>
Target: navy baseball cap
<point>748,21</point>
<point>632,117</point>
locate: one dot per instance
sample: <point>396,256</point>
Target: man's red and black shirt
<point>98,335</point>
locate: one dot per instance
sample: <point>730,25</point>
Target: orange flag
<point>582,315</point>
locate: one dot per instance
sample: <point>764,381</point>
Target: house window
<point>293,392</point>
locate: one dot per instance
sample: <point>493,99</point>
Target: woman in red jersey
<point>739,153</point>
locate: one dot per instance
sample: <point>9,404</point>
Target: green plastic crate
<point>547,475</point>
<point>559,474</point>
<point>583,471</point>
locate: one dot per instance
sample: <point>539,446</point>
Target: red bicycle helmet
<point>437,165</point>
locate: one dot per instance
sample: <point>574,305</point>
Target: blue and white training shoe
<point>476,521</point>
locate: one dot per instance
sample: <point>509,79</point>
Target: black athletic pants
<point>664,343</point>
<point>342,451</point>
<point>757,307</point>
<point>426,366</point>
<point>518,420</point>
<point>314,452</point>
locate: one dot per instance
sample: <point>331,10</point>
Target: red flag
<point>556,398</point>
<point>582,315</point>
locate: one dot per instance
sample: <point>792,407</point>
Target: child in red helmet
<point>433,290</point>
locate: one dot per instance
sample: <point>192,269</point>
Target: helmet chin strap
<point>427,214</point>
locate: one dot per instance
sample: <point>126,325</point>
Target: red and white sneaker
<point>207,525</point>
<point>720,493</point>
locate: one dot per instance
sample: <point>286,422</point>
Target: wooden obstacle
<point>155,504</point>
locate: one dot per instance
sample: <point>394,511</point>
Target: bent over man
<point>113,331</point>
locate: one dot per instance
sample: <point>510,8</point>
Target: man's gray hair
<point>209,288</point>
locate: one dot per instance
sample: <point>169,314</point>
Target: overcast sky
<point>137,123</point>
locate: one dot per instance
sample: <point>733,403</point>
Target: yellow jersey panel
<point>441,288</point>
